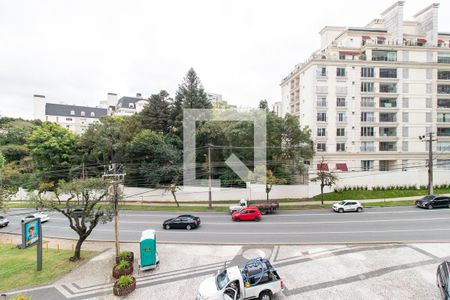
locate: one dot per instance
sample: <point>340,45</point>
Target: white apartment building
<point>73,117</point>
<point>370,92</point>
<point>128,106</point>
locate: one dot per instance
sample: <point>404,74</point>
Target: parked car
<point>257,280</point>
<point>44,217</point>
<point>433,201</point>
<point>3,221</point>
<point>265,207</point>
<point>443,279</point>
<point>348,205</point>
<point>182,222</point>
<point>251,213</point>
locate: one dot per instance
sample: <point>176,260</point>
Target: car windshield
<point>428,198</point>
<point>342,203</point>
<point>222,280</point>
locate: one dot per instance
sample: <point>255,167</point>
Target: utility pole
<point>209,177</point>
<point>117,179</point>
<point>430,141</point>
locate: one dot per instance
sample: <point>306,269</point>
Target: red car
<point>247,214</point>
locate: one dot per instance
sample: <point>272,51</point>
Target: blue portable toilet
<point>149,257</point>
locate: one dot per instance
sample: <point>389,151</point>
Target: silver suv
<point>348,205</point>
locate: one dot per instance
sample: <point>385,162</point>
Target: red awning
<point>366,37</point>
<point>381,38</point>
<point>322,167</point>
<point>421,40</point>
<point>342,167</point>
<point>348,53</point>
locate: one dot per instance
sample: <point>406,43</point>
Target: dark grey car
<point>433,201</point>
<point>442,280</point>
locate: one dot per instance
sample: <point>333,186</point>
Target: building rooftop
<point>125,102</point>
<point>52,109</point>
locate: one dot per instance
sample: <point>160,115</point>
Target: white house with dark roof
<point>73,117</point>
<point>128,106</point>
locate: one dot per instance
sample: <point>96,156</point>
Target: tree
<point>83,206</point>
<point>156,115</point>
<point>263,176</point>
<point>54,151</point>
<point>173,188</point>
<point>325,178</point>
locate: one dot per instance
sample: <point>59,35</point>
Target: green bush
<point>122,265</point>
<point>124,281</point>
<point>124,255</point>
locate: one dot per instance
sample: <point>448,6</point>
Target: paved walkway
<point>390,271</point>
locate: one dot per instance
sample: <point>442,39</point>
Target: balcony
<point>341,119</point>
<point>443,103</point>
<point>445,132</point>
<point>368,119</point>
<point>387,146</point>
<point>388,88</point>
<point>388,73</point>
<point>388,117</point>
<point>367,103</point>
<point>443,75</point>
<point>443,58</point>
<point>388,132</point>
<point>443,118</point>
<point>321,103</point>
<point>443,89</point>
<point>382,55</point>
<point>367,147</point>
<point>388,103</point>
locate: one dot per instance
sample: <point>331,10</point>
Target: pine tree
<point>156,115</point>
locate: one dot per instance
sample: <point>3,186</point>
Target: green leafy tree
<point>325,178</point>
<point>156,115</point>
<point>154,160</point>
<point>54,150</point>
<point>84,206</point>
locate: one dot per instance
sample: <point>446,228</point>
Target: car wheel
<point>265,296</point>
<point>167,227</point>
<point>341,210</point>
<point>238,219</point>
<point>188,227</point>
<point>257,219</point>
<point>430,206</point>
<point>359,209</point>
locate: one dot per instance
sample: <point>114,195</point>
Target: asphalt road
<point>396,224</point>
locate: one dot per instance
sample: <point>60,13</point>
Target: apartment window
<point>69,119</point>
<point>383,55</point>
<point>341,117</point>
<point>443,117</point>
<point>322,71</point>
<point>429,73</point>
<point>322,117</point>
<point>405,73</point>
<point>444,58</point>
<point>321,132</point>
<point>443,132</point>
<point>367,117</point>
<point>388,73</point>
<point>367,102</point>
<point>387,146</point>
<point>405,102</point>
<point>367,147</point>
<point>322,101</point>
<point>366,165</point>
<point>388,131</point>
<point>340,147</point>
<point>443,103</point>
<point>340,72</point>
<point>367,72</point>
<point>388,117</point>
<point>367,131</point>
<point>82,113</point>
<point>321,147</point>
<point>405,132</point>
<point>428,117</point>
<point>388,88</point>
<point>443,146</point>
<point>388,102</point>
<point>72,112</point>
<point>405,117</point>
<point>405,88</point>
<point>340,131</point>
<point>445,75</point>
<point>367,87</point>
<point>340,102</point>
<point>443,89</point>
<point>92,114</point>
<point>443,164</point>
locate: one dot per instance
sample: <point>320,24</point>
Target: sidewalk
<point>388,271</point>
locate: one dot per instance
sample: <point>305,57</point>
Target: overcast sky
<point>77,51</point>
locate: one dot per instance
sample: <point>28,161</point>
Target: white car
<point>3,221</point>
<point>40,215</point>
<point>348,205</point>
